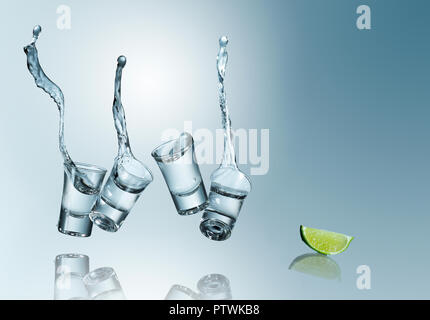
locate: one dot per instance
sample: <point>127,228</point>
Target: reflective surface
<point>348,114</point>
<point>74,281</point>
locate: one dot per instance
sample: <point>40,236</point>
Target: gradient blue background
<point>348,117</point>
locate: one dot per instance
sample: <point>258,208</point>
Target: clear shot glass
<point>70,270</point>
<point>103,284</point>
<point>127,180</point>
<point>79,198</point>
<point>229,188</point>
<point>214,287</point>
<point>177,162</point>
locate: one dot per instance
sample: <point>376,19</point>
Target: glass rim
<point>151,176</point>
<point>71,256</point>
<point>89,167</point>
<point>173,156</point>
<point>247,177</point>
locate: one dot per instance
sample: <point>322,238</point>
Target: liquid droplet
<point>36,31</point>
<point>223,41</point>
<point>121,61</point>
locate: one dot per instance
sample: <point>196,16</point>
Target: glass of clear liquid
<point>229,188</point>
<point>80,192</point>
<point>126,182</point>
<point>177,162</point>
<point>70,270</point>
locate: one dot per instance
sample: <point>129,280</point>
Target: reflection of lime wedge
<point>325,242</point>
<point>317,265</point>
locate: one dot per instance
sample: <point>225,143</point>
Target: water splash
<point>42,81</point>
<point>229,158</point>
<point>125,158</point>
<point>119,114</point>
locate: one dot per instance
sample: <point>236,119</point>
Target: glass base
<point>191,202</point>
<point>193,210</point>
<point>76,225</point>
<point>106,217</point>
<point>216,226</point>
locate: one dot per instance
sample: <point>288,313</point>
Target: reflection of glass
<point>69,272</point>
<point>318,265</point>
<point>178,292</point>
<point>177,162</point>
<point>103,284</point>
<point>214,287</point>
<point>73,280</point>
<point>127,180</point>
<point>79,198</point>
<point>210,287</point>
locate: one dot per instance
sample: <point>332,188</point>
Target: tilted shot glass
<point>127,180</point>
<point>70,270</point>
<point>177,162</point>
<point>229,188</point>
<point>79,198</point>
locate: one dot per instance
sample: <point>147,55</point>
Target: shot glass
<point>70,270</point>
<point>127,180</point>
<point>79,197</point>
<point>177,162</point>
<point>229,188</point>
<point>103,284</point>
<point>214,287</point>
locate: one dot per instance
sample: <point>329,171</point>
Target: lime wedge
<point>323,241</point>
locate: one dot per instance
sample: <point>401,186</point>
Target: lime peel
<point>325,242</point>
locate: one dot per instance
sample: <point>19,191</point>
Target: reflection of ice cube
<point>214,287</point>
<point>69,272</point>
<point>103,284</point>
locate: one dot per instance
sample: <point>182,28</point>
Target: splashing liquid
<point>128,177</point>
<point>43,82</point>
<point>229,158</point>
<point>119,114</point>
<point>125,159</point>
<point>229,186</point>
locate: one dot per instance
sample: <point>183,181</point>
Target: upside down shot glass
<point>177,162</point>
<point>79,198</point>
<point>126,182</point>
<point>70,270</point>
<point>229,188</point>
